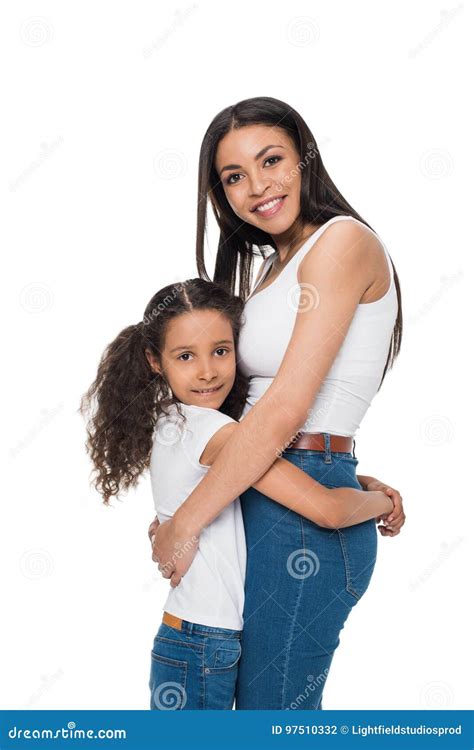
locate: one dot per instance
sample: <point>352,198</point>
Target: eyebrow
<point>257,156</point>
<point>189,346</point>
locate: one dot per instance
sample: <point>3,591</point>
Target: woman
<point>320,330</point>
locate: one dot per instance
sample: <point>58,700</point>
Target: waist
<point>322,441</point>
<point>191,627</point>
<point>336,410</point>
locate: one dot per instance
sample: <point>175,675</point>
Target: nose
<point>258,183</point>
<point>208,370</point>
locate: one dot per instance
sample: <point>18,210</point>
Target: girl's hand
<point>152,530</point>
<point>391,522</point>
<point>174,549</point>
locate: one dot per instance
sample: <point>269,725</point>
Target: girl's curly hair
<point>127,397</point>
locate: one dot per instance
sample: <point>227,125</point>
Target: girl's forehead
<point>199,326</point>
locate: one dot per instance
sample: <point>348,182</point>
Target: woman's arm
<point>292,487</point>
<point>333,275</point>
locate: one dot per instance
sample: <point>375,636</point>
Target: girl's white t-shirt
<point>212,591</point>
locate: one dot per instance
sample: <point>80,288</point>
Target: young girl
<point>167,396</point>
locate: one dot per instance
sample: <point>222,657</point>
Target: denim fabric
<point>301,584</point>
<point>194,668</point>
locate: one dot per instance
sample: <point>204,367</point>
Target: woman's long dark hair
<point>320,199</point>
<point>127,397</point>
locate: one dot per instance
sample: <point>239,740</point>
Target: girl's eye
<point>185,354</point>
<point>222,349</point>
<point>275,160</point>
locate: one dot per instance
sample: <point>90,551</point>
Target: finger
<point>397,504</point>
<point>175,580</point>
<point>392,532</point>
<point>166,572</point>
<point>398,524</point>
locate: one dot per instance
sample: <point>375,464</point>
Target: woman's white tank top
<point>354,378</point>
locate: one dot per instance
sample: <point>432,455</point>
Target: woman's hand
<point>391,522</point>
<point>174,548</point>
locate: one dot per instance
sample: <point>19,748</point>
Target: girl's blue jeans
<point>194,668</point>
<point>302,582</point>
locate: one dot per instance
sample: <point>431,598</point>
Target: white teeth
<point>266,206</point>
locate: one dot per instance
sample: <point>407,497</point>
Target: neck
<point>289,242</point>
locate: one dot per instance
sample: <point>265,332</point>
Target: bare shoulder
<point>346,248</point>
<point>343,239</point>
<point>216,443</point>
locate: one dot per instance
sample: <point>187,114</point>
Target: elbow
<point>334,516</point>
<point>332,520</point>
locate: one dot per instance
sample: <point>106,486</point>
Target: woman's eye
<point>230,180</point>
<point>274,158</point>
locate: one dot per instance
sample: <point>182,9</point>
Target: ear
<point>152,361</point>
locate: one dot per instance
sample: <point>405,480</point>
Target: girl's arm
<point>334,275</point>
<point>292,487</point>
<point>396,518</point>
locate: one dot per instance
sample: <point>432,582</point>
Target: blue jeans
<point>194,668</point>
<point>302,581</point>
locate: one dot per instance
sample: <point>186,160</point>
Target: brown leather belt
<point>172,621</point>
<point>314,441</point>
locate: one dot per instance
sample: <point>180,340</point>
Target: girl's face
<point>198,356</point>
<point>258,168</point>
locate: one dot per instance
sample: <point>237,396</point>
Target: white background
<point>104,109</point>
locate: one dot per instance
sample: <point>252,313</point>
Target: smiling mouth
<point>268,205</point>
<point>208,390</point>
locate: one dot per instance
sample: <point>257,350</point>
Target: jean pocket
<point>222,655</point>
<point>167,683</point>
<point>359,551</point>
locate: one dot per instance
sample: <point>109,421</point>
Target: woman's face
<point>258,168</point>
